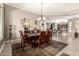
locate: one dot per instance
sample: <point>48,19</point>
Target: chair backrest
<point>21,35</point>
<point>49,33</point>
<point>26,35</point>
<point>43,33</point>
<point>25,31</point>
<point>42,36</point>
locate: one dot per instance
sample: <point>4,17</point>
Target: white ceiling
<point>48,8</point>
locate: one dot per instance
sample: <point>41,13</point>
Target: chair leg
<point>39,45</point>
<point>23,46</point>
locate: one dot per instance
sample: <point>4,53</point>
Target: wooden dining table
<point>33,37</point>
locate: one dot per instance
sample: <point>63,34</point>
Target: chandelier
<point>41,11</point>
<point>42,16</point>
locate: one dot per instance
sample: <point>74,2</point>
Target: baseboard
<point>12,40</point>
<point>2,47</point>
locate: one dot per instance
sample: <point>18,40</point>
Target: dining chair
<point>42,38</point>
<point>22,37</point>
<point>49,35</point>
<point>24,40</point>
<point>35,40</point>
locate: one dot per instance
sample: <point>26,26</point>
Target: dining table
<point>33,37</point>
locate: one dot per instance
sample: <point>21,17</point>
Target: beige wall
<point>0,24</point>
<point>13,16</point>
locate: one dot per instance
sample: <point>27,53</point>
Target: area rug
<point>50,49</point>
<point>64,54</point>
